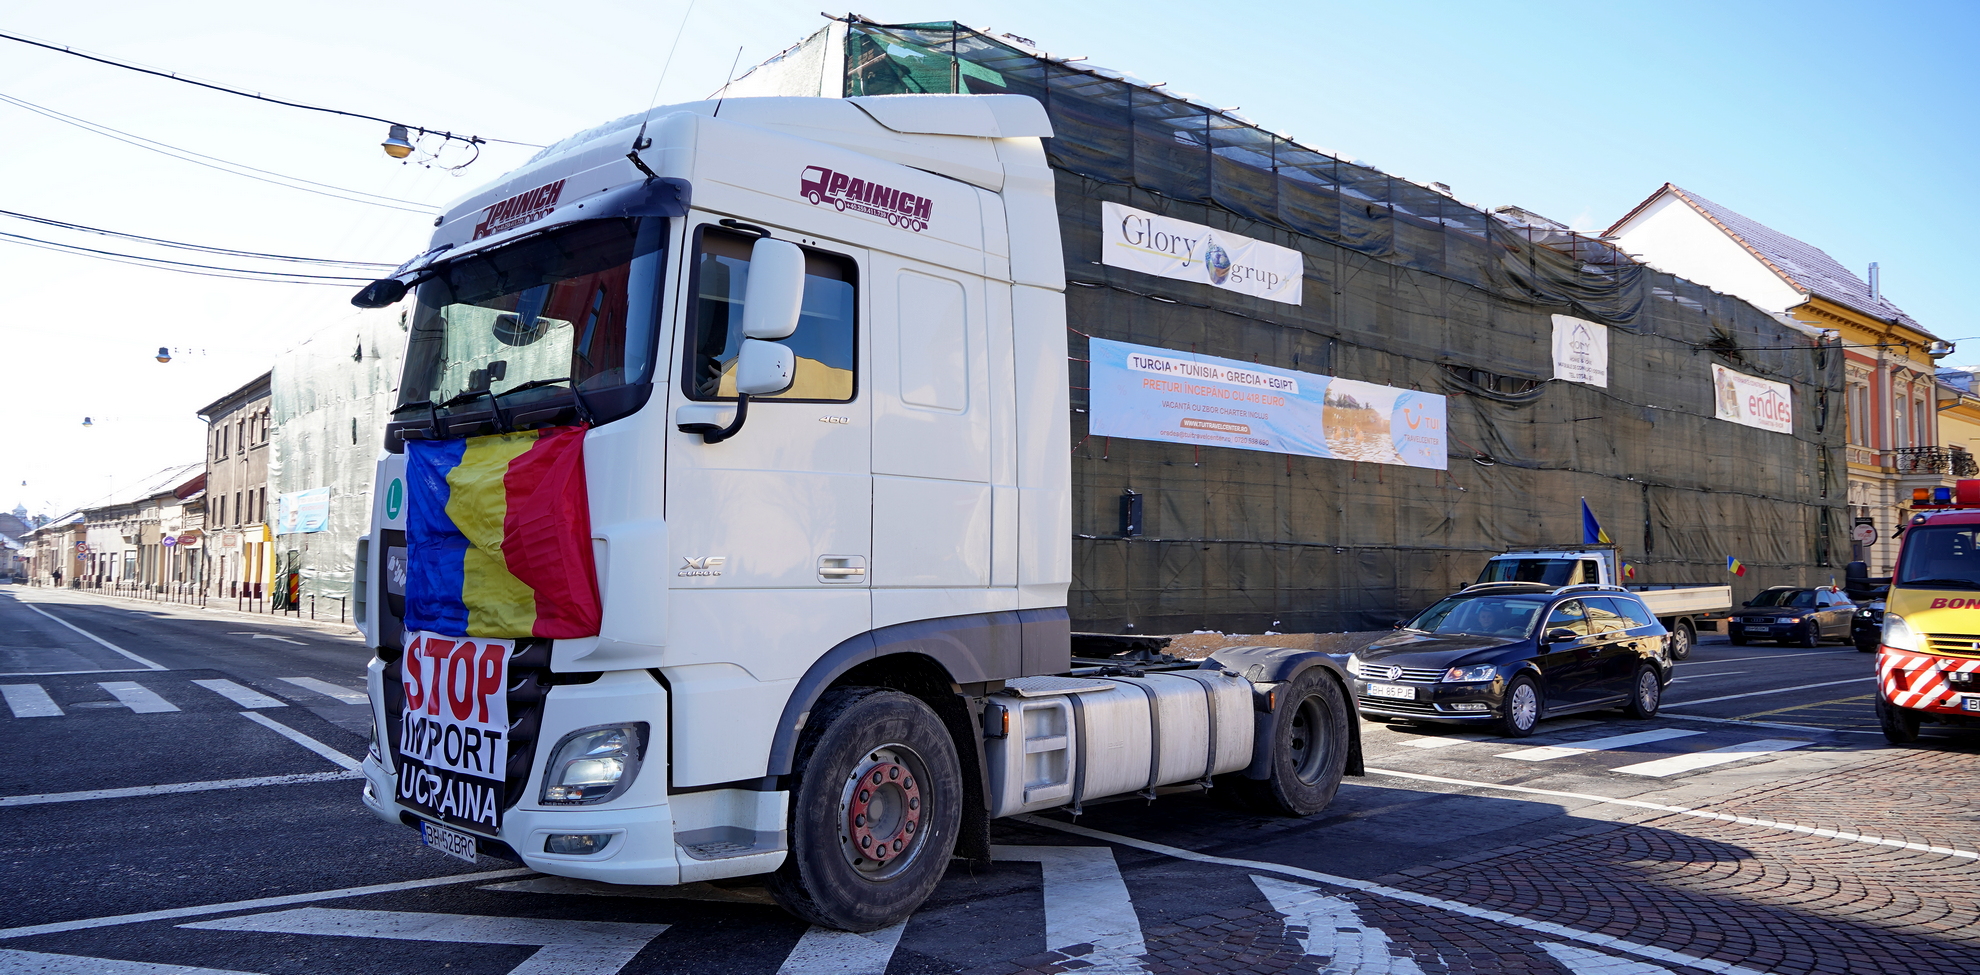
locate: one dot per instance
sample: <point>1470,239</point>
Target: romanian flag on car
<point>498,536</point>
<point>1735,566</point>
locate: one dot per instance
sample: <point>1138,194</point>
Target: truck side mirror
<point>764,368</point>
<point>775,294</point>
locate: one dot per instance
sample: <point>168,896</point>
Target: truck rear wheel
<point>1900,725</point>
<point>1309,748</point>
<point>1681,641</point>
<point>874,810</point>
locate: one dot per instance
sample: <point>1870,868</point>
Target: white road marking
<point>1395,893</point>
<point>37,963</point>
<point>1581,961</point>
<point>1549,752</point>
<point>1777,690</point>
<point>1330,928</point>
<point>595,888</point>
<point>1439,741</point>
<point>568,947</point>
<point>1717,756</point>
<point>148,664</point>
<point>1687,811</point>
<point>306,741</point>
<point>87,924</point>
<point>1774,724</point>
<point>265,636</point>
<point>1773,656</point>
<point>137,697</point>
<point>1086,902</point>
<point>159,790</point>
<point>246,697</point>
<point>328,689</point>
<point>823,951</point>
<point>29,701</point>
<point>1716,673</point>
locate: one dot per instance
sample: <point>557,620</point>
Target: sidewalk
<point>217,609</point>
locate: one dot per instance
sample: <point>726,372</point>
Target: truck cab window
<point>823,343</point>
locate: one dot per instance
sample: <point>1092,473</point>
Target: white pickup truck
<point>1678,607</point>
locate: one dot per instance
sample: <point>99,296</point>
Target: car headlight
<point>1354,664</point>
<point>593,765</point>
<point>1473,673</point>
<point>1899,635</point>
<point>1790,619</point>
<point>1863,614</point>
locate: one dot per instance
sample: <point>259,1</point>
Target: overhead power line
<point>233,168</point>
<point>183,267</point>
<point>202,248</point>
<point>257,96</point>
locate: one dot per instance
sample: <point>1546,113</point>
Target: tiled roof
<point>1806,267</point>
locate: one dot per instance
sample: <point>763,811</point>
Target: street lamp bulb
<point>397,144</point>
<point>87,423</point>
<point>164,354</point>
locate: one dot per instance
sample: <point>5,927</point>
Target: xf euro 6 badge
<point>453,748</point>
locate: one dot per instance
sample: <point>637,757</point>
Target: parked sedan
<point>1509,654</point>
<point>1791,615</point>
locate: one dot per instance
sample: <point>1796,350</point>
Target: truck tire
<point>1900,725</point>
<point>1646,693</point>
<point>1309,748</point>
<point>875,810</point>
<point>1682,640</point>
<point>1520,713</point>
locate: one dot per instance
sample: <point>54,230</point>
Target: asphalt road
<point>176,788</point>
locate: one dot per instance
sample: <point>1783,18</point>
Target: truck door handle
<point>841,568</point>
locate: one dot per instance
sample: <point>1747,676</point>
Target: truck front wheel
<point>1900,725</point>
<point>874,810</point>
<point>1309,744</point>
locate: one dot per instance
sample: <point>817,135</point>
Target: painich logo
<point>898,207</point>
<point>519,209</point>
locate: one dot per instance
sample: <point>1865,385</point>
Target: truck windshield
<point>1550,572</point>
<point>578,302</point>
<point>1941,557</point>
<point>1481,615</point>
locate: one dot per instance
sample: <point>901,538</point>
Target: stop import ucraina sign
<point>453,730</point>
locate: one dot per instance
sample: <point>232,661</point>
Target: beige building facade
<point>238,507</point>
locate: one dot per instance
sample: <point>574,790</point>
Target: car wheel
<point>1521,711</point>
<point>1310,736</point>
<point>1900,725</point>
<point>1646,693</point>
<point>1812,636</point>
<point>1870,647</point>
<point>874,811</point>
<point>1736,639</point>
<point>1680,642</point>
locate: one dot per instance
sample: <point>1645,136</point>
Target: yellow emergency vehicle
<point>1928,659</point>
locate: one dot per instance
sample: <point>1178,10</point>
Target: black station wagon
<point>1508,654</point>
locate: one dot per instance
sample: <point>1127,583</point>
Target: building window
<point>1858,407</point>
<point>1900,430</point>
<point>1921,422</point>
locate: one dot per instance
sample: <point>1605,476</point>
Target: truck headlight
<point>1473,673</point>
<point>1898,635</point>
<point>594,765</point>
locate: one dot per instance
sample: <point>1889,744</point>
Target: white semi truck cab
<point>723,527</point>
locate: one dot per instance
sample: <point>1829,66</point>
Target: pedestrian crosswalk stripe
<point>29,701</point>
<point>137,697</point>
<point>41,963</point>
<point>1584,961</point>
<point>324,687</point>
<point>823,951</point>
<point>1328,926</point>
<point>1547,752</point>
<point>1717,756</point>
<point>246,697</point>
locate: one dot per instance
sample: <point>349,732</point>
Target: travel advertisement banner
<point>1144,393</point>
<point>301,512</point>
<point>1752,401</point>
<point>1170,248</point>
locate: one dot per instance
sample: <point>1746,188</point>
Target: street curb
<point>195,611</point>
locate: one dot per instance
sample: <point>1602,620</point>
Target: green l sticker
<point>395,498</point>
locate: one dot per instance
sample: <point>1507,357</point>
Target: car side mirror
<point>1397,625</point>
<point>1559,635</point>
<point>774,296</point>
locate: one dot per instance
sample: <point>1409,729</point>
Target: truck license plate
<point>1970,703</point>
<point>1392,691</point>
<point>452,842</point>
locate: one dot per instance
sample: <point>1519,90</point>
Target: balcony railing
<point>1942,461</point>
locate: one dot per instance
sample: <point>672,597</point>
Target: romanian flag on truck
<point>498,537</point>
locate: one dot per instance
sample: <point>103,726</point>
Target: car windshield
<point>1481,615</point>
<point>1940,557</point>
<point>1791,598</point>
<point>576,303</point>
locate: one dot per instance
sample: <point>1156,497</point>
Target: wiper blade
<point>534,384</point>
<point>1940,584</point>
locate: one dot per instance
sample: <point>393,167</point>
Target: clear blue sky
<point>1851,126</point>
